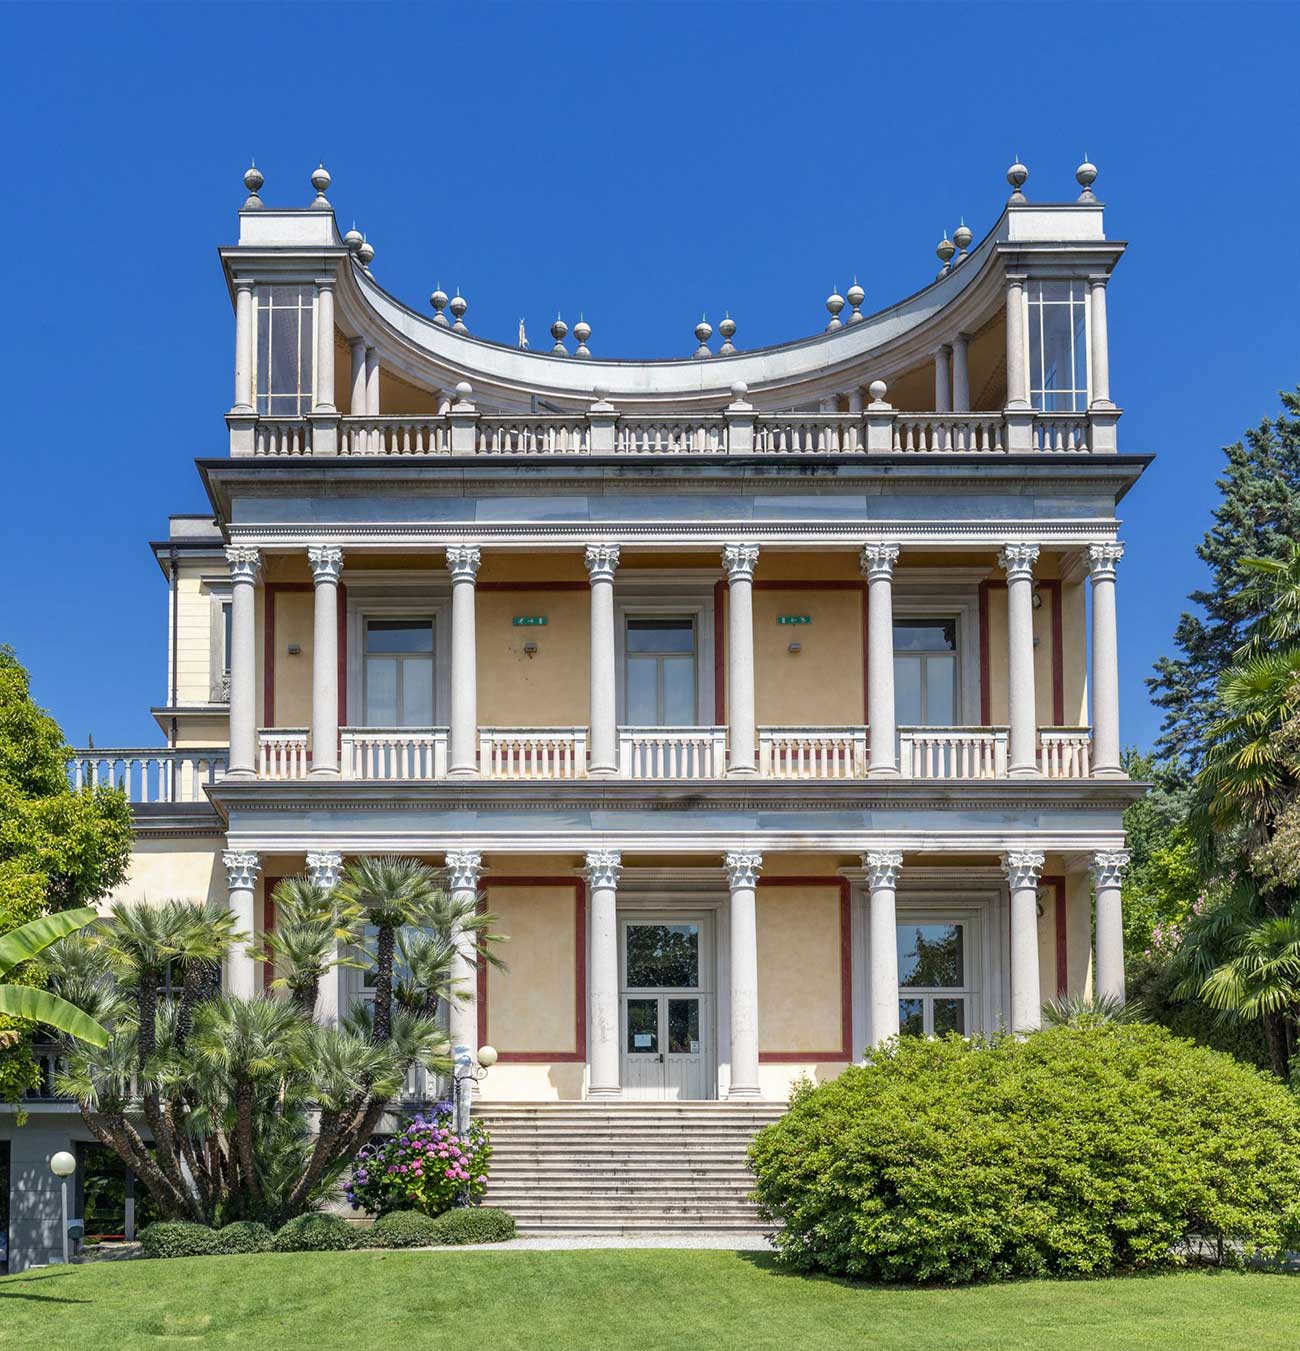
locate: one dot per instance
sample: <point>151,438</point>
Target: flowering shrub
<point>424,1167</point>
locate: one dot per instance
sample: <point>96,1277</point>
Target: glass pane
<point>381,692</point>
<point>227,632</point>
<point>1058,362</point>
<point>1036,351</point>
<point>1054,290</point>
<point>679,691</point>
<point>663,956</point>
<point>643,691</point>
<point>417,692</point>
<point>941,691</point>
<point>643,1026</point>
<point>284,351</point>
<point>940,636</point>
<point>1080,353</point>
<point>911,1017</point>
<point>930,955</point>
<point>661,635</point>
<point>399,635</point>
<point>907,691</point>
<point>683,1027</point>
<point>949,1016</point>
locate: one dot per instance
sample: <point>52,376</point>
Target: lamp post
<point>63,1165</point>
<point>465,1075</point>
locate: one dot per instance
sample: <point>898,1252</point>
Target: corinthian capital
<point>1108,868</point>
<point>325,867</point>
<point>464,867</point>
<point>740,561</point>
<point>241,869</point>
<point>1018,560</point>
<point>742,869</point>
<point>1102,559</point>
<point>878,561</point>
<point>244,562</point>
<point>463,561</point>
<point>1023,868</point>
<point>883,867</point>
<point>326,562</point>
<point>603,866</point>
<point>601,560</point>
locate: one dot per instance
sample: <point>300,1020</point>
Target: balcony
<point>737,430</point>
<point>553,754</point>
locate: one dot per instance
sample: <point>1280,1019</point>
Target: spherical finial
<point>834,303</point>
<point>738,391</point>
<point>320,180</point>
<point>439,302</point>
<point>728,330</point>
<point>945,250</point>
<point>1016,176</point>
<point>877,389</point>
<point>458,306</point>
<point>463,391</point>
<point>599,393</point>
<point>558,329</point>
<point>703,332</point>
<point>582,331</point>
<point>1086,174</point>
<point>855,296</point>
<point>253,181</point>
<point>962,236</point>
<point>365,253</point>
<point>353,240</point>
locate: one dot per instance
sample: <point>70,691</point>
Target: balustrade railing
<point>812,752</point>
<point>146,776</point>
<point>394,436</point>
<point>952,752</point>
<point>808,433</point>
<point>670,436</point>
<point>282,436</point>
<point>282,753</point>
<point>672,752</point>
<point>537,435</point>
<point>393,752</point>
<point>1065,752</point>
<point>532,752</point>
<point>1062,432</point>
<point>961,432</point>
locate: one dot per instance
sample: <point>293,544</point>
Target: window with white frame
<point>285,350</point>
<point>1058,346</point>
<point>227,639</point>
<point>397,672</point>
<point>926,672</point>
<point>937,983</point>
<point>660,670</point>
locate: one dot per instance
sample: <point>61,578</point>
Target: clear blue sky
<point>642,163</point>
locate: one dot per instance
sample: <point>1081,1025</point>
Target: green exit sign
<point>794,619</point>
<point>528,621</point>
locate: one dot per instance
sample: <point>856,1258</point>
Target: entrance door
<point>666,1009</point>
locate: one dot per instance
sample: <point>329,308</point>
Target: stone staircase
<point>624,1168</point>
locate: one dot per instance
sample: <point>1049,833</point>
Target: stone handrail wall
<point>149,776</point>
<point>812,752</point>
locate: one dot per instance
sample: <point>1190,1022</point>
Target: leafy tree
<point>59,849</point>
<point>40,1006</point>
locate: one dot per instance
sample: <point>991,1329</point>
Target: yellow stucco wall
<point>561,1081</point>
<point>997,650</point>
<point>1078,901</point>
<point>294,622</point>
<point>194,628</point>
<point>775,1080</point>
<point>548,689</point>
<point>531,1006</point>
<point>164,870</point>
<point>799,996</point>
<point>823,683</point>
<point>1074,646</point>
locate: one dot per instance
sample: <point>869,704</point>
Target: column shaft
<point>961,373</point>
<point>742,876</point>
<point>1017,363</point>
<point>601,561</point>
<point>244,564</point>
<point>1023,868</point>
<point>882,927</point>
<point>324,868</point>
<point>942,379</point>
<point>357,406</point>
<point>1100,343</point>
<point>1108,878</point>
<point>603,983</point>
<point>241,881</point>
<point>739,560</point>
<point>464,867</point>
<point>325,346</point>
<point>878,566</point>
<point>1022,740</point>
<point>372,382</point>
<point>1102,559</point>
<point>326,564</point>
<point>463,563</point>
<point>243,345</point>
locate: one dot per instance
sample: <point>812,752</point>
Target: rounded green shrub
<point>473,1224</point>
<point>177,1238</point>
<point>244,1236</point>
<point>315,1233</point>
<point>1072,1152</point>
<point>404,1229</point>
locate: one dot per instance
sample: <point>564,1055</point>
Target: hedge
<point>474,1224</point>
<point>178,1238</point>
<point>325,1232</point>
<point>244,1236</point>
<point>403,1229</point>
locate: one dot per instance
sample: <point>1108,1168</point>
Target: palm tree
<point>1091,1011</point>
<point>304,944</point>
<point>44,1006</point>
<point>454,928</point>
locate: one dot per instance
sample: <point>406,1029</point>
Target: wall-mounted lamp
<point>295,649</point>
<point>530,649</point>
<point>1038,599</point>
<point>796,648</point>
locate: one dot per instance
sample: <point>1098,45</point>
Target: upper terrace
<point>1004,353</point>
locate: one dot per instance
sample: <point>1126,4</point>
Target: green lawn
<point>611,1300</point>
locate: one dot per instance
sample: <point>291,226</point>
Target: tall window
<point>398,673</point>
<point>934,978</point>
<point>660,666</point>
<point>925,672</point>
<point>227,638</point>
<point>284,350</point>
<point>1058,346</point>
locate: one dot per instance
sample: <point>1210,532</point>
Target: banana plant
<point>40,1006</point>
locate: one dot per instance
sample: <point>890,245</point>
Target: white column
<point>464,868</point>
<point>1100,344</point>
<point>1107,878</point>
<point>961,373</point>
<point>739,561</point>
<point>325,346</point>
<point>463,563</point>
<point>882,936</point>
<point>372,382</point>
<point>602,984</point>
<point>357,407</point>
<point>878,568</point>
<point>1022,742</point>
<point>1023,868</point>
<point>326,564</point>
<point>602,560</point>
<point>942,379</point>
<point>243,344</point>
<point>1017,361</point>
<point>324,869</point>
<point>742,878</point>
<point>241,882</point>
<point>1102,559</point>
<point>244,564</point>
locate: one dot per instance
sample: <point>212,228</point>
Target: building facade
<point>771,718</point>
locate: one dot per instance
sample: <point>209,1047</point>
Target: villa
<point>769,697</point>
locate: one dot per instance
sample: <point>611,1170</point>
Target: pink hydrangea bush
<point>426,1166</point>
